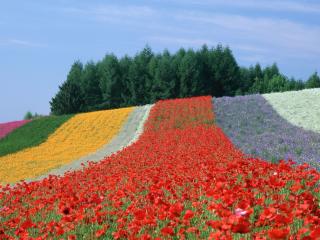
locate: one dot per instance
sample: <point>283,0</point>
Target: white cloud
<point>19,42</point>
<point>260,37</point>
<point>273,5</point>
<point>281,34</point>
<point>248,48</point>
<point>110,12</point>
<point>135,16</point>
<point>191,41</point>
<point>124,11</point>
<point>180,40</point>
<point>252,59</point>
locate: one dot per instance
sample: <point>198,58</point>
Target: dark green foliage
<point>189,75</point>
<point>313,81</point>
<point>70,98</point>
<point>297,85</point>
<point>124,65</point>
<point>164,77</point>
<point>176,60</point>
<point>227,73</point>
<point>258,80</point>
<point>111,85</point>
<point>147,77</point>
<point>29,115</point>
<point>91,91</point>
<point>219,71</point>
<point>140,80</point>
<point>31,134</point>
<point>278,83</point>
<point>75,73</point>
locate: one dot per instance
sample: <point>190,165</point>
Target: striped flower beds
<point>32,134</point>
<point>182,178</point>
<point>257,129</point>
<point>79,136</point>
<point>6,128</point>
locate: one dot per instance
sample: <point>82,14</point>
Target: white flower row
<point>300,108</point>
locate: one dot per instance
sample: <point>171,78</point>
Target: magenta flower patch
<point>6,128</point>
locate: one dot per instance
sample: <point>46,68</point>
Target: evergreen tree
<point>225,72</point>
<point>90,87</point>
<point>190,84</point>
<point>155,86</point>
<point>258,73</point>
<point>69,98</point>
<point>110,81</point>
<point>299,85</point>
<point>278,83</point>
<point>245,80</point>
<point>313,81</point>
<point>163,75</point>
<point>75,73</point>
<point>230,73</point>
<point>257,86</point>
<point>204,69</point>
<point>139,77</point>
<point>28,116</point>
<point>125,64</point>
<point>176,61</point>
<point>270,71</point>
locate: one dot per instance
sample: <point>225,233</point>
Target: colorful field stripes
<point>32,134</point>
<point>183,179</point>
<point>81,135</point>
<point>300,108</point>
<point>255,127</point>
<point>6,128</point>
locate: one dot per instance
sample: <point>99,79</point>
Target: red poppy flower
<point>167,231</point>
<point>241,227</point>
<point>188,215</point>
<point>278,234</point>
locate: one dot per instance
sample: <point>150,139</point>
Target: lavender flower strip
<point>257,129</point>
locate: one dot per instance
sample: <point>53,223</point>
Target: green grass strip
<point>31,134</point>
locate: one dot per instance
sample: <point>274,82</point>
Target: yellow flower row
<point>83,134</point>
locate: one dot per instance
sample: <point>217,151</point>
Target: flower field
<point>6,128</point>
<point>79,136</point>
<point>255,127</point>
<point>183,179</point>
<point>301,108</point>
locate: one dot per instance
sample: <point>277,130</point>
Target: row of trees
<point>147,77</point>
<point>29,115</point>
<point>257,80</point>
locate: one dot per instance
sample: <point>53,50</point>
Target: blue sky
<point>40,39</point>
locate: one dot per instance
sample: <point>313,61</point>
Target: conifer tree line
<point>147,77</point>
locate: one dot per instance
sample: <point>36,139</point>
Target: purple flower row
<point>257,129</point>
<point>6,128</point>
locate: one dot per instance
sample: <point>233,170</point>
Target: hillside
<point>188,175</point>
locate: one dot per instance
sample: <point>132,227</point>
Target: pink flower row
<point>6,128</point>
